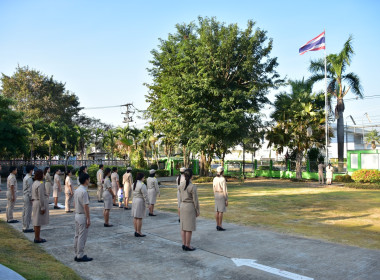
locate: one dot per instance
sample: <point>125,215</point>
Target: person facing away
<point>56,188</point>
<point>329,174</point>
<point>40,212</point>
<point>180,179</point>
<point>69,192</point>
<point>127,183</point>
<point>27,196</point>
<point>153,190</point>
<point>82,218</point>
<point>321,179</point>
<point>108,196</point>
<point>219,186</point>
<point>115,183</point>
<point>48,183</point>
<point>11,194</point>
<point>99,181</point>
<point>139,203</point>
<point>189,210</point>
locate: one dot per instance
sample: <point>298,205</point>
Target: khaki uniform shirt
<point>57,180</point>
<point>68,184</point>
<point>48,178</point>
<point>12,181</point>
<point>114,177</point>
<point>107,184</point>
<point>219,185</point>
<point>100,176</point>
<point>190,195</point>
<point>81,199</point>
<point>127,178</point>
<point>152,183</point>
<point>27,186</point>
<point>140,191</point>
<point>38,193</point>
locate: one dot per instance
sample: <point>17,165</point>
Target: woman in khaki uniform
<point>69,191</point>
<point>180,179</point>
<point>48,183</point>
<point>40,216</point>
<point>221,197</point>
<point>56,188</point>
<point>108,195</point>
<point>11,194</point>
<point>189,210</point>
<point>139,203</point>
<point>127,183</point>
<point>115,183</point>
<point>153,190</point>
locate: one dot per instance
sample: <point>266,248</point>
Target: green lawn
<point>338,214</point>
<point>29,259</point>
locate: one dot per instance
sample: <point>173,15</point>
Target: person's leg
<point>135,224</point>
<point>106,216</point>
<point>98,193</point>
<point>152,208</point>
<point>55,201</point>
<point>67,199</point>
<point>83,231</point>
<point>28,214</point>
<point>139,225</point>
<point>183,237</point>
<point>76,237</point>
<point>220,218</point>
<point>37,230</point>
<point>24,212</point>
<point>217,218</point>
<point>188,238</point>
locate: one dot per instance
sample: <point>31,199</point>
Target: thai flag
<point>316,44</point>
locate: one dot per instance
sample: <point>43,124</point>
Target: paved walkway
<point>220,255</point>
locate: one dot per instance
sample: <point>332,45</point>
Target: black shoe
<point>84,259</point>
<point>139,235</point>
<point>108,225</point>
<point>12,222</point>
<point>152,215</point>
<point>69,211</point>
<point>100,201</point>
<point>76,259</point>
<point>136,234</point>
<point>221,229</point>
<point>217,227</point>
<point>28,230</point>
<point>189,249</point>
<point>57,207</point>
<point>114,204</point>
<point>127,208</point>
<point>179,220</point>
<point>40,241</point>
<point>183,247</point>
<point>120,206</point>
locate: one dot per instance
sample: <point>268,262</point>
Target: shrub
<point>162,173</point>
<point>263,167</point>
<point>375,186</point>
<point>343,178</point>
<point>202,179</point>
<point>366,176</point>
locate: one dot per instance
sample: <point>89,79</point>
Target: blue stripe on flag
<point>310,46</point>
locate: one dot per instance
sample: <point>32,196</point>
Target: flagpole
<point>326,110</point>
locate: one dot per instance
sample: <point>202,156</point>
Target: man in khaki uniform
<point>100,180</point>
<point>127,183</point>
<point>28,204</point>
<point>320,173</point>
<point>82,218</point>
<point>11,194</point>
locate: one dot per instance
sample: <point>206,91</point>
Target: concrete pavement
<point>119,255</point>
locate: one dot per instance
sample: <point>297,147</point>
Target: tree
<point>372,137</point>
<point>337,80</point>
<point>13,137</point>
<point>299,121</point>
<point>110,138</point>
<point>209,82</point>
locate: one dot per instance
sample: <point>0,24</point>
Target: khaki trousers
<point>81,233</point>
<point>10,206</point>
<point>320,176</point>
<point>27,212</point>
<point>68,200</point>
<point>100,192</point>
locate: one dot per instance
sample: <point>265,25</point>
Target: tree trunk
<point>299,165</point>
<point>339,109</point>
<point>203,164</point>
<point>185,157</point>
<point>50,153</point>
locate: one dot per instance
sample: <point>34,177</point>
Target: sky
<point>101,49</point>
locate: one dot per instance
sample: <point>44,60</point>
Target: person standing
<point>189,210</point>
<point>11,194</point>
<point>48,183</point>
<point>108,195</point>
<point>180,179</point>
<point>69,191</point>
<point>82,169</point>
<point>100,179</point>
<point>321,179</point>
<point>153,190</point>
<point>221,197</point>
<point>27,193</point>
<point>127,183</point>
<point>139,203</point>
<point>115,183</point>
<point>40,216</point>
<point>82,218</point>
<point>0,180</point>
<point>57,188</point>
<point>329,174</point>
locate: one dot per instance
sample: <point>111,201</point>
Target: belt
<point>80,213</point>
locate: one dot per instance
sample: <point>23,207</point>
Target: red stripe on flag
<point>315,38</point>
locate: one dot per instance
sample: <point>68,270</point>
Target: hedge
<point>343,178</point>
<point>366,176</point>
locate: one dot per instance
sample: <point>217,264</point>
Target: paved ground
<point>119,255</point>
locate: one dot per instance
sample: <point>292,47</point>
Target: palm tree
<point>109,139</point>
<point>83,135</point>
<point>50,132</point>
<point>125,142</point>
<point>337,80</point>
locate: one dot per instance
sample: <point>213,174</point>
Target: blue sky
<point>101,49</point>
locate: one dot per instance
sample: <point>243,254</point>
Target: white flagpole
<point>326,110</point>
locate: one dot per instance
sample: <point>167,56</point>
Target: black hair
<point>29,168</point>
<point>188,175</point>
<point>57,170</point>
<point>100,166</point>
<point>38,175</point>
<point>219,174</point>
<point>107,171</point>
<point>179,177</point>
<point>114,169</point>
<point>152,175</point>
<point>139,177</point>
<point>46,169</point>
<point>83,178</point>
<point>12,168</point>
<point>129,171</point>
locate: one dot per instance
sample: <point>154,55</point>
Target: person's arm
<point>41,196</point>
<point>59,183</point>
<point>225,192</point>
<point>157,187</point>
<point>13,189</point>
<point>145,194</point>
<point>117,182</point>
<point>71,187</point>
<point>30,183</point>
<point>87,212</point>
<point>195,200</point>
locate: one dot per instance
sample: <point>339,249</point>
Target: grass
<point>29,259</point>
<point>338,214</point>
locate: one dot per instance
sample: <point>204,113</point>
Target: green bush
<point>162,173</point>
<point>202,179</point>
<point>343,178</point>
<point>263,167</point>
<point>93,169</point>
<point>375,186</point>
<point>366,176</point>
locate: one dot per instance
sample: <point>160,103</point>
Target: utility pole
<point>128,113</point>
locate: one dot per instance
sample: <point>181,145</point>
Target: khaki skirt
<point>188,216</point>
<point>48,188</point>
<point>37,218</point>
<point>152,196</point>
<point>138,208</point>
<point>127,190</point>
<point>114,188</point>
<point>220,202</point>
<point>107,199</point>
<point>178,199</point>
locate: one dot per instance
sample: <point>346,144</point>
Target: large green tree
<point>209,82</point>
<point>13,137</point>
<point>339,84</point>
<point>299,121</point>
